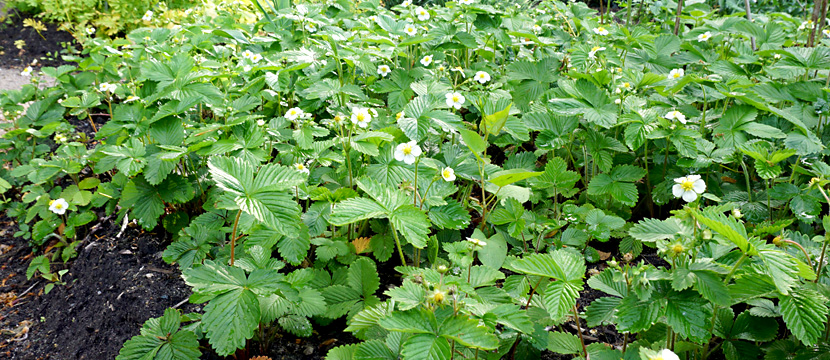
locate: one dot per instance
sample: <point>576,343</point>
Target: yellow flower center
<point>600,29</point>
<point>446,173</point>
<point>455,98</point>
<point>338,118</point>
<point>398,116</point>
<point>361,117</point>
<point>687,185</point>
<point>677,248</point>
<point>407,150</point>
<point>595,48</point>
<point>300,166</point>
<point>626,85</point>
<point>58,206</point>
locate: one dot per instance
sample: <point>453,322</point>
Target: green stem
<point>746,177</point>
<point>398,244</point>
<point>233,234</point>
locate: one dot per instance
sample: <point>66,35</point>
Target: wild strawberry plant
<point>493,155</point>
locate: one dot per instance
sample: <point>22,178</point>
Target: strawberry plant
<point>448,178</point>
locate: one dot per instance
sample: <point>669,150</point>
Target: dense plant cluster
<point>105,17</point>
<point>490,153</point>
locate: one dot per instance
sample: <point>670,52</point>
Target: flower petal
<point>689,196</point>
<point>699,186</point>
<point>677,190</point>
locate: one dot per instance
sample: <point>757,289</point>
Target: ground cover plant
<point>501,159</point>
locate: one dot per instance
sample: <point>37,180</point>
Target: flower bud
<point>707,234</point>
<point>737,213</point>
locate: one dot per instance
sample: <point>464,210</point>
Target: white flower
<point>301,168</point>
<point>131,98</point>
<point>599,30</point>
<point>426,60</point>
<point>776,56</point>
<point>665,354</point>
<point>676,74</point>
<point>260,122</point>
<point>455,100</point>
<point>60,138</point>
<point>406,3</point>
<point>423,14</point>
<point>247,54</point>
<point>482,77</point>
<point>626,85</point>
<point>477,242</point>
<point>410,30</point>
<point>688,188</point>
<point>448,174</point>
<point>107,87</point>
<point>704,37</point>
<point>361,117</point>
<point>826,32</point>
<point>400,115</point>
<point>384,70</point>
<point>618,101</point>
<point>465,2</point>
<point>27,71</point>
<point>373,18</point>
<point>407,152</point>
<point>537,29</point>
<point>90,30</point>
<point>147,16</point>
<point>676,115</point>
<point>805,24</point>
<point>593,53</point>
<point>255,58</point>
<point>188,12</point>
<point>460,70</point>
<point>311,27</point>
<point>294,113</point>
<point>58,206</point>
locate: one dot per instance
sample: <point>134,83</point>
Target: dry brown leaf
<point>260,358</point>
<point>604,255</point>
<point>361,244</point>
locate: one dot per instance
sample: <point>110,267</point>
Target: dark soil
<point>112,287</point>
<point>46,51</point>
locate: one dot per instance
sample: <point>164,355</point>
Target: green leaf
<point>651,230</point>
<point>804,313</point>
<point>636,315</point>
<point>263,196</point>
<point>412,223</point>
<point>619,184</point>
<point>563,343</point>
<point>493,254</point>
<point>407,296</point>
<point>161,339</point>
<point>560,265</point>
<point>560,298</point>
<point>476,144</point>
<point>426,347</point>
<point>507,177</point>
<point>144,202</point>
<point>233,311</point>
<point>468,332</point>
<point>556,175</point>
<point>449,216</point>
<point>363,276</point>
<point>494,122</point>
<point>687,314</point>
<point>728,227</point>
<point>412,321</point>
<point>602,311</point>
